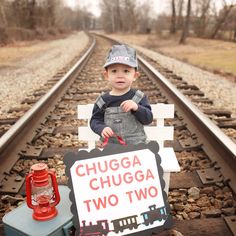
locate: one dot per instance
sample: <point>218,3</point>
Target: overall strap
<point>138,96</point>
<point>100,102</point>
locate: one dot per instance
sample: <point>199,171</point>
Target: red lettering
<point>128,178</point>
<point>152,191</point>
<point>142,194</point>
<point>136,161</point>
<point>105,181</point>
<point>91,185</point>
<point>125,162</point>
<point>114,180</point>
<point>130,196</point>
<point>119,179</point>
<point>87,204</point>
<point>100,167</point>
<point>102,202</point>
<point>113,200</point>
<point>113,164</point>
<point>91,169</point>
<point>77,170</point>
<point>139,176</point>
<point>103,167</point>
<point>149,174</point>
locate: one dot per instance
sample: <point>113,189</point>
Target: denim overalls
<point>123,123</point>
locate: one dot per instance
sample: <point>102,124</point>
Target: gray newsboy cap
<point>122,54</point>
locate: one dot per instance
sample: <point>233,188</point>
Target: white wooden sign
<point>118,191</point>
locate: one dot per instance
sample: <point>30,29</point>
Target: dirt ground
<point>213,55</point>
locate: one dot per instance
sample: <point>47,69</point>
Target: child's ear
<point>105,74</point>
<point>137,74</point>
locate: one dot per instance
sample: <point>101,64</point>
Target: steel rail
<point>16,138</point>
<point>218,146</point>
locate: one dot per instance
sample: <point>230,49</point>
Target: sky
<point>159,6</point>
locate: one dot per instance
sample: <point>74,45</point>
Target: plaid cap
<point>122,54</point>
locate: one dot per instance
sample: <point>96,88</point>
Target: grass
<point>212,60</point>
<point>213,55</point>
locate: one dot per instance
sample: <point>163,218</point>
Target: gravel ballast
<point>215,87</point>
<point>32,71</point>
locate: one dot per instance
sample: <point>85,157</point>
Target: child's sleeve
<point>144,113</point>
<point>97,120</point>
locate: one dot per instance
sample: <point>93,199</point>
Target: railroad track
<point>202,193</point>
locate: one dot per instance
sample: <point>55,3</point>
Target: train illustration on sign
<point>121,224</point>
<point>101,228</point>
<point>154,214</point>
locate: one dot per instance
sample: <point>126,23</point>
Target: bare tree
<point>144,22</point>
<point>221,19</point>
<point>201,17</point>
<point>107,16</point>
<point>130,17</point>
<point>118,14</point>
<point>21,13</point>
<point>234,37</point>
<point>230,25</point>
<point>50,13</point>
<point>3,19</point>
<point>180,4</point>
<point>31,7</point>
<point>125,16</point>
<point>186,24</point>
<point>173,18</point>
<point>234,24</point>
<point>161,23</point>
<point>38,18</point>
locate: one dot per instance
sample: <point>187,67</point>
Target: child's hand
<point>129,105</point>
<point>107,132</point>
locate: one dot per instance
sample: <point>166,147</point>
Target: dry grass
<point>18,50</point>
<point>15,52</point>
<point>210,54</point>
<point>213,55</point>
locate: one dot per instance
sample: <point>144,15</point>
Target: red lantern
<point>42,192</point>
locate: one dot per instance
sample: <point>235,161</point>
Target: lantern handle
<point>28,191</point>
<point>55,188</point>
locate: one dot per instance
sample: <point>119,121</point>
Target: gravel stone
<point>179,207</point>
<point>176,233</point>
<point>194,193</point>
<point>194,215</point>
<point>228,211</point>
<point>212,213</point>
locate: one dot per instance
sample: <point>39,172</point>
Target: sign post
<point>118,191</point>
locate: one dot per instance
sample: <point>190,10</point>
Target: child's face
<point>120,78</point>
